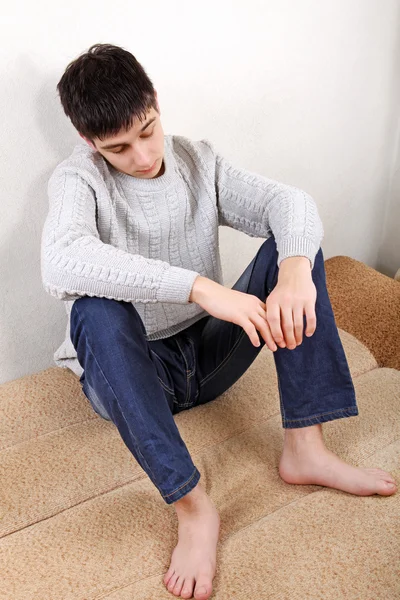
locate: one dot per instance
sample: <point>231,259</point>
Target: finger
<point>266,332</point>
<point>251,331</point>
<point>287,326</point>
<point>263,327</point>
<point>263,305</point>
<point>249,328</point>
<point>311,318</point>
<point>262,313</point>
<point>298,312</point>
<point>274,322</point>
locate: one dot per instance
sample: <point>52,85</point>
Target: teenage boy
<point>131,245</point>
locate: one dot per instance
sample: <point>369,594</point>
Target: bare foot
<point>193,560</point>
<point>306,460</point>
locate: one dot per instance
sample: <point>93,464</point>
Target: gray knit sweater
<point>145,241</point>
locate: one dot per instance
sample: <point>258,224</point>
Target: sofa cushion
<point>80,519</point>
<point>366,303</point>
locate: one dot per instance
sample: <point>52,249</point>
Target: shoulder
<point>83,163</point>
<point>193,153</point>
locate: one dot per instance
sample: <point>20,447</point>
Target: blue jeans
<point>139,384</point>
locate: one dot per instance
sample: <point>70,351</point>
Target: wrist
<point>198,288</point>
<point>294,262</point>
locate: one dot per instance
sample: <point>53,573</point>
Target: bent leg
<point>109,338</point>
<point>314,380</point>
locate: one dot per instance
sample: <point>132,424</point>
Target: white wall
<point>303,91</point>
<point>389,252</point>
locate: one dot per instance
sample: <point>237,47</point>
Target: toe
<point>178,586</point>
<point>389,479</point>
<point>386,487</point>
<point>203,589</point>
<point>387,476</point>
<point>187,590</point>
<point>172,581</point>
<point>168,575</point>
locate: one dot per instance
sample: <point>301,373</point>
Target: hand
<point>245,310</point>
<point>293,296</point>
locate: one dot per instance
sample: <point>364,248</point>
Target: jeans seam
<point>282,407</point>
<point>184,358</point>
<point>332,412</point>
<point>194,370</point>
<point>182,486</point>
<point>213,373</point>
<point>165,386</point>
<point>194,353</point>
<point>188,376</point>
<point>159,378</point>
<point>188,389</point>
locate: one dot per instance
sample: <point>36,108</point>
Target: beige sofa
<point>80,520</point>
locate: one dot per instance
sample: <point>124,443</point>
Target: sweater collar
<point>154,184</point>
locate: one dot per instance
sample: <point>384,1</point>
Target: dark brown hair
<point>104,89</point>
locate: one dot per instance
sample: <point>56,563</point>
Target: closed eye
<point>143,136</point>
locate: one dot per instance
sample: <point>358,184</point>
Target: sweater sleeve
<point>75,262</point>
<point>257,206</point>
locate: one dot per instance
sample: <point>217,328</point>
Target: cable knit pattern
<point>145,241</point>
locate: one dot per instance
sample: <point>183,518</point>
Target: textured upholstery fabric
<point>80,520</point>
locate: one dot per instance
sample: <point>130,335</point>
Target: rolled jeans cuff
<point>183,489</point>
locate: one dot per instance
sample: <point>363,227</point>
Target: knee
<point>90,304</point>
<point>94,306</point>
<point>85,314</point>
<point>98,313</point>
<point>88,307</point>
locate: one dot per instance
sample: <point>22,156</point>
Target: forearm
<point>203,286</point>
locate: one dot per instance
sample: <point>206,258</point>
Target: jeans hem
<point>183,489</point>
<point>351,411</point>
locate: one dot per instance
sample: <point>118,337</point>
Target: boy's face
<point>135,150</point>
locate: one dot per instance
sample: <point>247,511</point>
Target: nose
<point>141,160</point>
